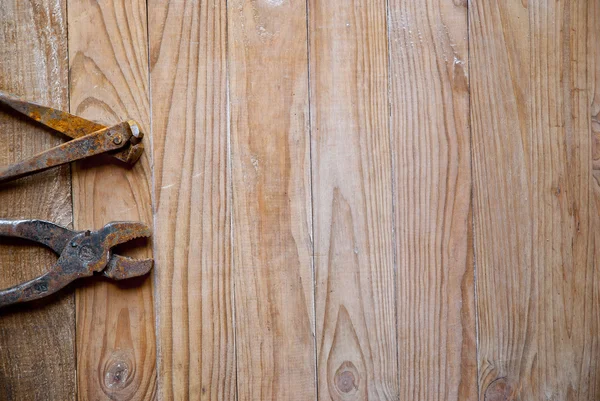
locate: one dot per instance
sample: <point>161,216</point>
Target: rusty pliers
<point>89,139</point>
<point>81,254</point>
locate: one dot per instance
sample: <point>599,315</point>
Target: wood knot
<point>117,372</point>
<point>499,390</point>
<point>347,378</point>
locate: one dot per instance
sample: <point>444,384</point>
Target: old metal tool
<point>89,138</point>
<point>81,254</point>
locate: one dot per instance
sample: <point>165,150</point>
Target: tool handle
<point>46,233</point>
<point>105,140</point>
<point>61,121</point>
<point>39,287</point>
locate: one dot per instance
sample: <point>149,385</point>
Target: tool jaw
<point>132,153</point>
<point>84,255</point>
<point>90,252</point>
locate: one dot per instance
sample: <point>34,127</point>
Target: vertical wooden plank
<point>534,221</point>
<point>116,352</point>
<point>355,300</point>
<point>37,340</point>
<point>593,76</point>
<point>432,177</point>
<point>499,38</point>
<point>193,200</point>
<point>564,221</point>
<point>500,99</point>
<point>37,347</point>
<point>271,199</point>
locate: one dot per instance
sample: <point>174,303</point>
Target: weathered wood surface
<point>535,198</point>
<point>274,313</point>
<point>193,200</point>
<point>37,341</point>
<point>432,198</point>
<point>109,82</point>
<point>360,199</point>
<point>352,184</point>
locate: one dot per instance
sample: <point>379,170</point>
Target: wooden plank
<point>432,193</point>
<point>593,82</point>
<point>193,200</point>
<point>535,223</point>
<point>37,340</point>
<point>271,200</point>
<point>352,183</point>
<point>116,351</point>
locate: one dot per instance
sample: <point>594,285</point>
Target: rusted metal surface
<point>122,140</point>
<point>82,253</point>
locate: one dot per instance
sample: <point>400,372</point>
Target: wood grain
<point>432,193</point>
<point>352,183</point>
<point>37,340</point>
<point>535,221</point>
<point>193,200</point>
<point>271,200</point>
<point>116,350</point>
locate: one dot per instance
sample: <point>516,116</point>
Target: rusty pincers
<point>122,141</point>
<point>82,253</point>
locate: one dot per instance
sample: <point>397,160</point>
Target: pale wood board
<point>432,198</point>
<point>193,200</point>
<point>352,201</point>
<point>274,313</point>
<point>109,83</point>
<point>535,221</point>
<point>37,340</point>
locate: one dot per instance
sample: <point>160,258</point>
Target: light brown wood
<point>193,200</point>
<point>352,184</point>
<point>432,193</point>
<point>37,340</point>
<point>116,349</point>
<point>354,199</point>
<point>274,313</point>
<point>535,220</point>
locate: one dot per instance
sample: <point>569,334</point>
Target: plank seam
<point>312,202</point>
<point>230,199</point>
<point>392,187</point>
<point>474,245</point>
<point>76,393</point>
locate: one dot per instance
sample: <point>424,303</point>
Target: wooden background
<point>352,199</point>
